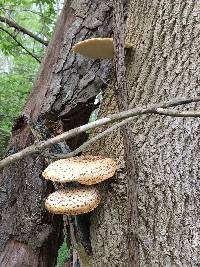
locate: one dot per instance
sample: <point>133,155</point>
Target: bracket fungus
<point>97,48</point>
<point>73,201</point>
<point>86,170</point>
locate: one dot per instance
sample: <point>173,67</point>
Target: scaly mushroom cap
<point>85,170</point>
<point>73,201</point>
<point>97,48</point>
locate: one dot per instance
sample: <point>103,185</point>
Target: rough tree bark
<point>164,63</point>
<point>62,98</point>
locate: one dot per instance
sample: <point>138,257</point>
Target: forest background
<point>20,54</point>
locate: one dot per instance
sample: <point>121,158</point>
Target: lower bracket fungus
<point>73,201</point>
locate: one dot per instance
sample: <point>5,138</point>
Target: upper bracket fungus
<point>73,201</point>
<point>86,170</point>
<point>97,48</point>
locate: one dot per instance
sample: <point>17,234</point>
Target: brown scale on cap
<point>73,201</point>
<point>86,170</point>
<point>97,48</point>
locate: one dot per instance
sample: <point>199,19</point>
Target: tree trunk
<point>163,64</point>
<point>62,98</point>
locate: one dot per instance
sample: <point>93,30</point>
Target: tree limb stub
<point>151,109</point>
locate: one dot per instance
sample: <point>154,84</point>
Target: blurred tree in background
<point>21,53</point>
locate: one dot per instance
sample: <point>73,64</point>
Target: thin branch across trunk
<point>152,109</point>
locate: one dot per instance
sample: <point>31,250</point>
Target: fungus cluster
<point>86,170</point>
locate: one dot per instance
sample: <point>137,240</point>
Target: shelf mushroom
<point>86,170</point>
<point>73,201</point>
<point>97,48</point>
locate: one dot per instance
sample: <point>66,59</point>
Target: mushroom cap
<point>73,200</point>
<point>84,169</point>
<point>97,48</point>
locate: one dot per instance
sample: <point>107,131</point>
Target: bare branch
<point>23,30</point>
<point>89,142</point>
<point>21,45</point>
<point>159,111</point>
<point>151,109</point>
<point>174,113</point>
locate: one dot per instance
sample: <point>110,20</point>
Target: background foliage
<point>18,68</point>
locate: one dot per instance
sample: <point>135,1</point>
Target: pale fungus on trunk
<point>97,48</point>
<point>86,170</point>
<point>73,201</point>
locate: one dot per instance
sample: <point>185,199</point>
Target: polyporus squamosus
<point>97,48</point>
<point>86,170</point>
<point>73,201</point>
